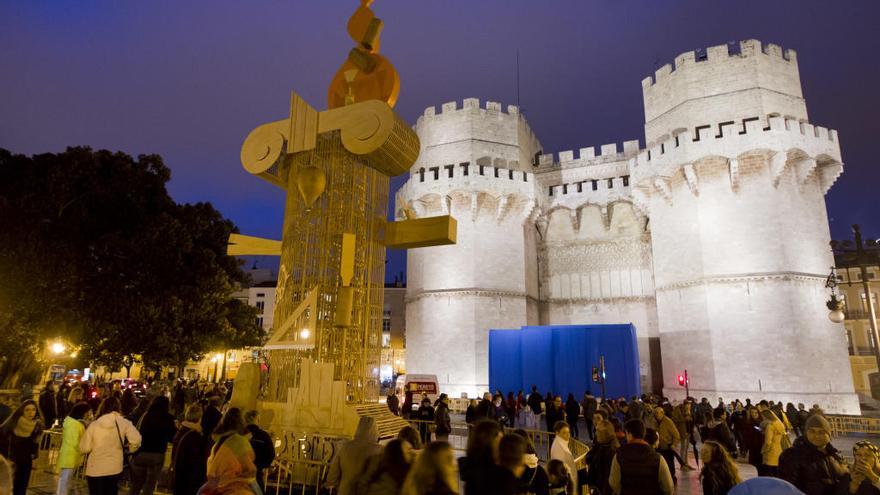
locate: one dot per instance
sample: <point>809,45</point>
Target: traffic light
<point>681,380</point>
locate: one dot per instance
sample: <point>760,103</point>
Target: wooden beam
<point>421,232</point>
<point>240,245</point>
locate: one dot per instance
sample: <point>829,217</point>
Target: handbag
<point>126,455</point>
<point>786,441</point>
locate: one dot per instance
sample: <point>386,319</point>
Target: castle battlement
<point>469,104</point>
<point>589,156</point>
<point>788,140</point>
<point>733,138</point>
<point>730,52</point>
<point>724,82</point>
<point>482,176</point>
<point>474,131</point>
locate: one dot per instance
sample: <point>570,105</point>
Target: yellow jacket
<point>772,449</point>
<point>668,433</point>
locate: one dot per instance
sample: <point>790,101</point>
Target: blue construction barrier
<point>560,358</point>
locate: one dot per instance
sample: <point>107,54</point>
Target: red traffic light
<point>681,380</point>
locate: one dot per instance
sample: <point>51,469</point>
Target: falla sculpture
<point>323,351</point>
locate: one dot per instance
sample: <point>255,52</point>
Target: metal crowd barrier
<point>541,440</point>
<point>292,476</point>
<point>847,425</point>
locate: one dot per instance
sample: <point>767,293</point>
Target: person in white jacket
<point>104,442</point>
<point>559,450</point>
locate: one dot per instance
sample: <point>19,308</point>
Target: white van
<point>418,384</point>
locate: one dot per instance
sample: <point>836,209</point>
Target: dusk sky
<point>189,80</point>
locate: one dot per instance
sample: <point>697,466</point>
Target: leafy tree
<point>95,251</point>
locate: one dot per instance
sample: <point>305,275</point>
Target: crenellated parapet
<point>463,131</point>
<point>721,83</point>
<point>588,156</point>
<point>788,144</point>
<point>468,105</point>
<point>485,188</point>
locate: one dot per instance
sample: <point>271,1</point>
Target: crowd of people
<point>637,445</point>
<point>215,449</point>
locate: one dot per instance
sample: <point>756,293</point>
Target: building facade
<point>712,239</point>
<point>859,336</point>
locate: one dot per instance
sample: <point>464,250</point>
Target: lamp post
<point>862,259</point>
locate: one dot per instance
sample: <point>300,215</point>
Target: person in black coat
<point>600,458</point>
<point>470,415</point>
<point>49,404</point>
<point>425,415</point>
<point>812,464</point>
<point>211,418</point>
<point>718,431</point>
<point>534,478</point>
<point>572,413</point>
<point>188,455</point>
<point>486,408</point>
<point>5,410</point>
<point>555,413</point>
<point>261,442</point>
<point>478,469</point>
<point>157,430</point>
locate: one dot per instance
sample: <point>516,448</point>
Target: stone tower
<point>733,180</point>
<point>475,164</point>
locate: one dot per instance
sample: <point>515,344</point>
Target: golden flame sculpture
<point>335,167</point>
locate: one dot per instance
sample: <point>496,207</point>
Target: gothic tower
<point>475,164</point>
<point>733,181</point>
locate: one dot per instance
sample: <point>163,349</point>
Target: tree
<point>95,251</point>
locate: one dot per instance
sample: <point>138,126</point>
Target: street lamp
<point>835,305</point>
<point>861,259</point>
<point>57,347</point>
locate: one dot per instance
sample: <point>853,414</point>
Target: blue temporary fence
<point>560,358</point>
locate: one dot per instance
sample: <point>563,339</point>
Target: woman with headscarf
<point>350,460</point>
<point>19,437</point>
<point>231,468</point>
<point>864,476</point>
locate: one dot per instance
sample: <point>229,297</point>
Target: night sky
<point>189,80</point>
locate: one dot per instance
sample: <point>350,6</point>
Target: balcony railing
<point>856,314</point>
